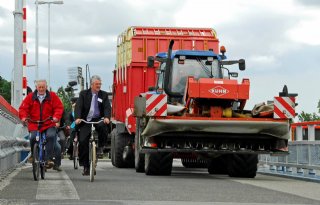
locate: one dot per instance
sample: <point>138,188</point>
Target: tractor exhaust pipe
<point>168,73</point>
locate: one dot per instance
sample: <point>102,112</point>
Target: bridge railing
<point>12,136</point>
<point>304,148</point>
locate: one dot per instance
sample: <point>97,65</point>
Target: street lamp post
<point>37,42</point>
<point>49,3</point>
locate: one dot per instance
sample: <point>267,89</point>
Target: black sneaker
<point>86,171</point>
<point>100,152</point>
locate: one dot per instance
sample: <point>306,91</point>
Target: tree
<point>65,99</point>
<point>308,117</point>
<point>5,89</point>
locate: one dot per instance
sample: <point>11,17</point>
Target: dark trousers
<point>72,136</point>
<point>84,136</point>
<point>51,138</point>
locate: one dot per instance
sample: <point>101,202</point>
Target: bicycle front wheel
<point>36,162</point>
<point>75,156</point>
<point>42,165</point>
<point>92,160</point>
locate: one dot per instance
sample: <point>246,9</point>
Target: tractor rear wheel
<point>243,165</point>
<point>218,165</point>
<point>138,157</point>
<point>158,163</point>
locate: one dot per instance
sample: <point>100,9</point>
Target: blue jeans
<point>51,138</point>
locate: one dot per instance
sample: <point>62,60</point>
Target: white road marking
<point>56,186</point>
<point>132,202</point>
<point>290,186</point>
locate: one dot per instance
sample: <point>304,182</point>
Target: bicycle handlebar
<point>39,121</point>
<point>87,122</point>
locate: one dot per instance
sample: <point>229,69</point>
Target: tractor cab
<point>197,64</point>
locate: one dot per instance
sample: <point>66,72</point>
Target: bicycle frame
<point>39,151</point>
<point>92,149</point>
<point>41,139</point>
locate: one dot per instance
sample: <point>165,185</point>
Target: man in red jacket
<point>40,105</point>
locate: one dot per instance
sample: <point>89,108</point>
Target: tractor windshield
<point>196,67</point>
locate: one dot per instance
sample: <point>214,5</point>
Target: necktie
<point>91,111</point>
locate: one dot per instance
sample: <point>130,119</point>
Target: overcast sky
<point>279,39</point>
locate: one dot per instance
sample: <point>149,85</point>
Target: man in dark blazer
<point>92,105</point>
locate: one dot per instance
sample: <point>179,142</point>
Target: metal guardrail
<point>303,160</point>
<point>12,136</point>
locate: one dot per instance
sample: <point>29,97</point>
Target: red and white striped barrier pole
<point>24,51</point>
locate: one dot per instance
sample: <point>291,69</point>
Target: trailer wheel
<point>138,157</point>
<point>243,165</point>
<point>113,133</point>
<point>218,165</point>
<point>120,141</point>
<point>158,163</point>
<point>194,163</point>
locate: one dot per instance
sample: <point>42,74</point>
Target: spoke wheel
<point>36,162</point>
<point>92,160</point>
<point>42,171</point>
<point>75,156</point>
<point>42,164</point>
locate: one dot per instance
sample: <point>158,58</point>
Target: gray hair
<point>94,78</point>
<point>36,82</point>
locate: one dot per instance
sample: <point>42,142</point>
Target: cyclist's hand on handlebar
<point>78,121</point>
<point>55,119</point>
<point>24,121</point>
<point>106,120</point>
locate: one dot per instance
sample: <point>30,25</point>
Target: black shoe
<point>86,171</point>
<point>100,152</point>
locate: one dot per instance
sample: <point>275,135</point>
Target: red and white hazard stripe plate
<point>156,105</point>
<point>284,107</point>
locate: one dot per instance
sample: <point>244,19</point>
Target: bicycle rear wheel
<point>92,160</point>
<point>36,162</point>
<point>75,156</point>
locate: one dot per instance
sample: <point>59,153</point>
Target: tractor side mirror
<point>150,62</point>
<point>242,64</point>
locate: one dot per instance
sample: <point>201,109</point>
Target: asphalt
<point>125,186</point>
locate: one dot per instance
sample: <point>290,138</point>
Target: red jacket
<point>31,108</point>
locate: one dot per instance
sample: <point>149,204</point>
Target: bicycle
<point>39,162</point>
<point>92,149</point>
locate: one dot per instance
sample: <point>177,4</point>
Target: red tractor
<point>196,112</point>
